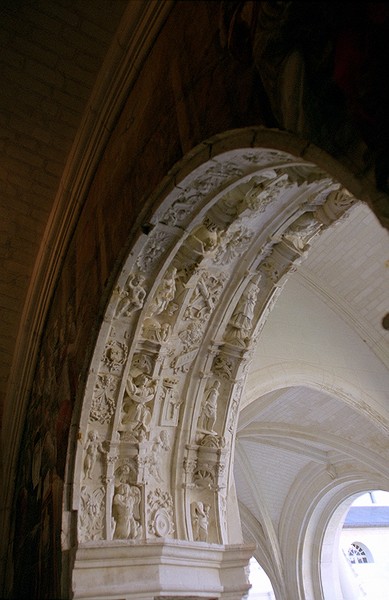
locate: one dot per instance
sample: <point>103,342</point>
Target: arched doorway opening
<point>151,473</point>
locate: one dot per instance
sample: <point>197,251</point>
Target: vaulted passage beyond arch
<point>152,477</point>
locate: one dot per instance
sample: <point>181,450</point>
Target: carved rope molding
<point>161,403</point>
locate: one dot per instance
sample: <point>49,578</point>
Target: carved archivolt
<point>170,368</point>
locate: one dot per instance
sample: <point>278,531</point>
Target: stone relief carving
<point>233,244</point>
<point>156,246</point>
<point>205,294</point>
<point>126,512</point>
<point>240,325</point>
<point>171,399</point>
<point>160,513</point>
<point>208,414</point>
<point>181,208</point>
<point>103,399</point>
<point>337,203</point>
<point>224,366</point>
<point>91,514</point>
<point>164,296</point>
<point>207,475</point>
<point>135,423</point>
<point>115,355</point>
<point>160,444</point>
<point>127,471</point>
<point>264,191</point>
<point>302,230</point>
<point>156,332</point>
<point>93,447</point>
<point>200,520</point>
<point>132,297</point>
<point>204,239</point>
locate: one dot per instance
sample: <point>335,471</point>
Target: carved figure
<point>208,413</point>
<point>133,297</point>
<point>161,443</point>
<point>140,390</point>
<point>205,238</point>
<point>165,292</point>
<point>242,318</point>
<point>302,230</point>
<point>125,504</point>
<point>92,447</point>
<point>200,521</point>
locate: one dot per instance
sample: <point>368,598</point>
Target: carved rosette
<point>160,513</point>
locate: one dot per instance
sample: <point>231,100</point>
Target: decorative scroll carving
<point>133,296</point>
<point>126,512</point>
<point>103,399</point>
<point>91,514</point>
<point>200,520</point>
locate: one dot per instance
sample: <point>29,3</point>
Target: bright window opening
<point>261,586</point>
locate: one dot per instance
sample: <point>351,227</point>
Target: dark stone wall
<point>189,89</point>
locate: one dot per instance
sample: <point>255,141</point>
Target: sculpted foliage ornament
<point>115,355</point>
<point>91,514</point>
<point>160,513</point>
<point>233,243</point>
<point>103,400</point>
<point>155,248</point>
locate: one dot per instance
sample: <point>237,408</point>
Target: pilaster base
<point>160,570</point>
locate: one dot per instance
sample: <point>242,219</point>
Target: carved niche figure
<point>125,511</point>
<point>200,521</point>
<point>160,444</point>
<point>134,296</point>
<point>239,328</point>
<point>92,447</point>
<point>208,413</point>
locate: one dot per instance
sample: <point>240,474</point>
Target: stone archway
<point>152,487</point>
